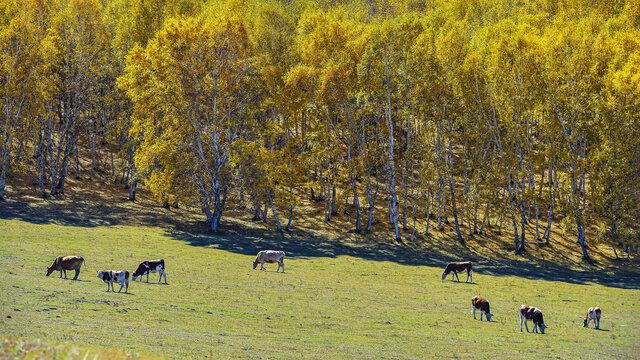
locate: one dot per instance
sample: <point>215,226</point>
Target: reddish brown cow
<point>481,304</point>
<point>594,314</point>
<point>455,267</point>
<point>530,313</point>
<point>64,263</point>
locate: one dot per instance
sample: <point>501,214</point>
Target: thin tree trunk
<point>132,190</point>
<point>452,188</point>
<point>334,207</point>
<point>265,212</point>
<point>275,216</point>
<point>357,203</point>
<point>290,218</point>
<point>428,208</point>
<point>370,198</point>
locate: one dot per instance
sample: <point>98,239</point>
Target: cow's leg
<point>160,278</point>
<point>526,325</point>
<point>148,276</point>
<point>588,321</point>
<point>262,266</point>
<point>283,267</point>
<point>77,273</point>
<point>521,322</point>
<point>164,273</point>
<point>597,324</point>
<point>481,312</point>
<point>121,285</point>
<point>126,290</point>
<point>457,278</point>
<point>473,309</point>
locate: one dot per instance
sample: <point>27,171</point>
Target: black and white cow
<point>151,266</point>
<point>530,313</point>
<point>111,276</point>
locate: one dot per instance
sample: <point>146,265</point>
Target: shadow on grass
<point>305,244</point>
<point>247,238</point>
<point>101,210</point>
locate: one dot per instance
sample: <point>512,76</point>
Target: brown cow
<point>269,256</point>
<point>64,263</point>
<point>530,313</point>
<point>594,314</point>
<point>481,304</point>
<point>454,267</point>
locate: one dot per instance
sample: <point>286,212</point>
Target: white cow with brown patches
<point>530,313</point>
<point>269,256</point>
<point>482,304</point>
<point>594,314</point>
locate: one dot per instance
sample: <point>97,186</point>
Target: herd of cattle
<point>527,313</point>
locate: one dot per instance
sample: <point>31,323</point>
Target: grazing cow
<point>594,314</point>
<point>455,267</point>
<point>64,263</point>
<point>110,276</point>
<point>530,313</point>
<point>151,266</point>
<point>481,304</point>
<point>269,256</point>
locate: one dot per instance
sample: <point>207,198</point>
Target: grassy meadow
<point>369,303</point>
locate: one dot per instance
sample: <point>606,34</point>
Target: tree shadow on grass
<point>305,244</point>
<point>101,210</point>
<point>247,238</point>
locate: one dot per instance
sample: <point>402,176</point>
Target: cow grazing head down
<point>482,304</point>
<point>530,313</point>
<point>50,270</point>
<point>269,256</point>
<point>454,267</point>
<point>594,313</point>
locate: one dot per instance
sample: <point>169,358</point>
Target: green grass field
<point>325,306</point>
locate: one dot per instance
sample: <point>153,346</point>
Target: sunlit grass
<point>323,307</point>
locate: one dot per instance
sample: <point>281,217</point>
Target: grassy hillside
<point>338,299</point>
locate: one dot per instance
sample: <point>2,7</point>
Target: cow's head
<point>584,323</point>
<point>489,315</point>
<point>49,270</point>
<point>255,264</point>
<point>134,278</point>
<point>444,275</point>
<point>100,274</point>
<point>542,327</point>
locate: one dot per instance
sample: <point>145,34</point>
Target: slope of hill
<point>359,295</point>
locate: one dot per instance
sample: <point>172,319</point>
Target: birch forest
<point>510,114</point>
